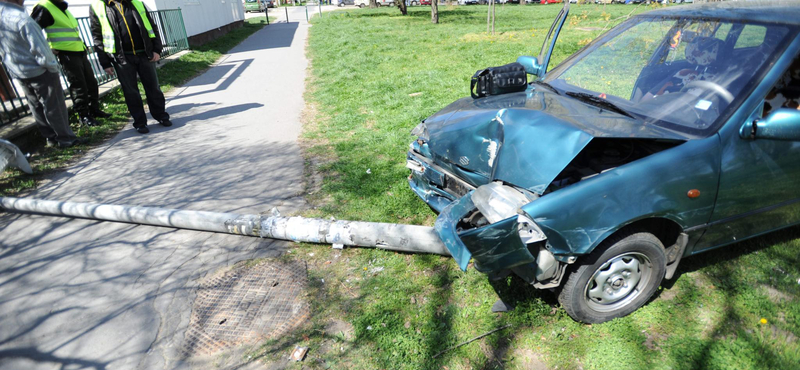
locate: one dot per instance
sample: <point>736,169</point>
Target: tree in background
<point>373,4</point>
<point>490,17</point>
<point>435,11</point>
<point>402,5</point>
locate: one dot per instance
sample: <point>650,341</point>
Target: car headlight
<point>497,202</point>
<point>421,131</point>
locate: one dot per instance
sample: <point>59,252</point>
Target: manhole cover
<point>247,304</point>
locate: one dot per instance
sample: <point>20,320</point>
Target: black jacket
<point>150,45</point>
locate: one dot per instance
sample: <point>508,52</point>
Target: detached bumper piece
<point>494,247</point>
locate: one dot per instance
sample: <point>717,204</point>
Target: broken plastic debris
<point>369,327</point>
<point>311,254</point>
<point>299,353</point>
<point>415,94</point>
<point>376,270</point>
<point>323,280</point>
<point>338,246</point>
<point>369,171</point>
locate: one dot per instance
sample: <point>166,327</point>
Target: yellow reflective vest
<point>63,33</point>
<point>109,45</point>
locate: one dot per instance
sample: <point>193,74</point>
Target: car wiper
<point>549,86</point>
<point>599,102</point>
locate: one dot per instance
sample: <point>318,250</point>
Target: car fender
<point>579,217</point>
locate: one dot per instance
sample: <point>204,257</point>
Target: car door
<point>550,40</point>
<point>759,189</point>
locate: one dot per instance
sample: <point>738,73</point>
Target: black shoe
<point>143,129</point>
<point>165,122</point>
<point>100,114</point>
<point>78,141</point>
<point>89,121</point>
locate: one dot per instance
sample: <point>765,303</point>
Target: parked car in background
<point>674,133</point>
<point>270,3</point>
<point>345,2</point>
<point>254,5</point>
<point>468,2</point>
<point>365,3</point>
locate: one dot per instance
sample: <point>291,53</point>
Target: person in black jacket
<point>74,62</point>
<point>126,41</point>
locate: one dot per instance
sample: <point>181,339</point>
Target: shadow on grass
<point>733,251</point>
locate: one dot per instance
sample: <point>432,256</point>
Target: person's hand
<point>156,57</point>
<point>109,70</point>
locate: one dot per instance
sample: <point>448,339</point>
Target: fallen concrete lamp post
<point>396,237</point>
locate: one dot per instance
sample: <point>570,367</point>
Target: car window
<point>614,66</point>
<point>786,92</point>
<point>681,73</point>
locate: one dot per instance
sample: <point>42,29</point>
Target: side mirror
<point>531,65</point>
<point>782,124</point>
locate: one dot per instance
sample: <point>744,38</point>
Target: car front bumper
<point>493,247</point>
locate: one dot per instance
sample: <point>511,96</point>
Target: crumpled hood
<point>526,138</point>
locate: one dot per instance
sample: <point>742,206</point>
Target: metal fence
<point>171,30</point>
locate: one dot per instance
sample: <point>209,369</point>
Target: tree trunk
<point>489,16</point>
<point>494,12</point>
<point>402,5</point>
<point>373,4</point>
<point>435,11</point>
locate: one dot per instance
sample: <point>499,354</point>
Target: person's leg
<point>155,98</point>
<point>37,109</point>
<point>71,64</point>
<point>126,74</point>
<point>47,88</point>
<point>91,88</point>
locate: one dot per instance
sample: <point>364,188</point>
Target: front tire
<point>617,278</point>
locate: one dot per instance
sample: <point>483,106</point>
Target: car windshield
<point>678,73</point>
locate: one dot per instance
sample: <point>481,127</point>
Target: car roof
<point>782,11</point>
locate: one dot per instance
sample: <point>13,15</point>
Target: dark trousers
<point>139,65</point>
<point>46,100</point>
<point>82,83</point>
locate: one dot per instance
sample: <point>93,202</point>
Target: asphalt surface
<point>98,295</point>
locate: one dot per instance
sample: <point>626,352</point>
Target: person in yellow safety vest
<point>127,43</point>
<point>28,59</point>
<point>61,31</point>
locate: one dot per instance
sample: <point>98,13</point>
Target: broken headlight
<point>497,202</point>
<point>421,131</point>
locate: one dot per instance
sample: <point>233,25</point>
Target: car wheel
<point>616,279</point>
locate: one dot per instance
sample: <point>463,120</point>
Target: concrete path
<point>91,295</point>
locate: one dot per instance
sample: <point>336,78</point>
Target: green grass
<point>375,75</point>
<point>46,161</point>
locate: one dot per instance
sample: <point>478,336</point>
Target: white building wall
<point>198,15</point>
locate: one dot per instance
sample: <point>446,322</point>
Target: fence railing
<point>171,30</point>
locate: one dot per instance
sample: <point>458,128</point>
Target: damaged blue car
<point>674,133</point>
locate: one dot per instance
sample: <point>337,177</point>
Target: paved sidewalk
<point>92,295</point>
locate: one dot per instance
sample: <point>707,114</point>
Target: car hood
<point>525,138</point>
